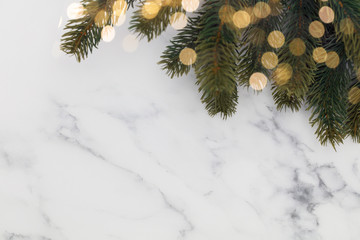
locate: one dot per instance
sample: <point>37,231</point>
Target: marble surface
<point>113,149</point>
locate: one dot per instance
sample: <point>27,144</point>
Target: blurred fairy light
<point>190,5</point>
<point>241,19</point>
<point>317,29</point>
<point>261,10</point>
<point>320,55</point>
<point>333,60</point>
<point>150,9</point>
<point>326,14</point>
<point>188,56</point>
<point>297,47</point>
<point>75,11</point>
<point>130,43</point>
<point>101,18</point>
<point>269,60</point>
<point>108,33</point>
<point>283,73</point>
<point>119,8</point>
<point>178,20</point>
<point>276,39</point>
<point>354,95</point>
<point>258,81</point>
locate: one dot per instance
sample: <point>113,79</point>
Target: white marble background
<point>114,149</point>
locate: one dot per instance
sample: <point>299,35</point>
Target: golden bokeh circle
<point>101,18</point>
<point>150,9</point>
<point>108,33</point>
<point>226,13</point>
<point>258,81</point>
<point>326,14</point>
<point>188,56</point>
<point>262,10</point>
<point>319,55</point>
<point>354,95</point>
<point>297,47</point>
<point>317,29</point>
<point>276,39</point>
<point>283,73</point>
<point>333,60</point>
<point>347,26</point>
<point>190,5</point>
<point>241,19</point>
<point>358,74</point>
<point>119,7</point>
<point>250,11</point>
<point>76,11</point>
<point>269,60</point>
<point>178,20</point>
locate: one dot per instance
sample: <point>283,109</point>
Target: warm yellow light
<point>226,13</point>
<point>101,18</point>
<point>320,55</point>
<point>269,60</point>
<point>326,14</point>
<point>75,11</point>
<point>150,9</point>
<point>241,19</point>
<point>118,20</point>
<point>354,95</point>
<point>258,81</point>
<point>250,11</point>
<point>119,8</point>
<point>358,74</point>
<point>316,29</point>
<point>276,39</point>
<point>297,47</point>
<point>178,20</point>
<point>108,33</point>
<point>283,73</point>
<point>262,10</point>
<point>190,5</point>
<point>347,26</point>
<point>333,60</point>
<point>188,56</point>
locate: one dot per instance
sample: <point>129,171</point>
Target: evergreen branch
<point>185,38</point>
<point>297,19</point>
<point>327,98</point>
<point>82,34</point>
<point>215,66</point>
<point>152,28</point>
<point>352,126</point>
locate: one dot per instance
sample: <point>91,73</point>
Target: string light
<point>262,10</point>
<point>101,18</point>
<point>150,9</point>
<point>283,73</point>
<point>119,8</point>
<point>258,81</point>
<point>354,95</point>
<point>225,13</point>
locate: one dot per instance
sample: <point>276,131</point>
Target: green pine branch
<point>215,67</point>
<point>352,126</point>
<point>298,16</point>
<point>82,35</point>
<point>185,38</point>
<point>152,28</point>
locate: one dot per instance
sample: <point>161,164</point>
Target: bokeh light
<point>347,26</point>
<point>262,10</point>
<point>190,5</point>
<point>317,29</point>
<point>130,43</point>
<point>297,47</point>
<point>150,9</point>
<point>119,8</point>
<point>108,33</point>
<point>283,73</point>
<point>241,19</point>
<point>333,60</point>
<point>354,95</point>
<point>188,56</point>
<point>226,13</point>
<point>276,39</point>
<point>101,18</point>
<point>258,81</point>
<point>326,14</point>
<point>178,20</point>
<point>75,11</point>
<point>319,55</point>
<point>269,60</point>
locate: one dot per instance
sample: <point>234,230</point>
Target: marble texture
<point>114,149</point>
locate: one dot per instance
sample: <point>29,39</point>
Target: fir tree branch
<point>185,38</point>
<point>215,66</point>
<point>82,34</point>
<point>327,98</point>
<point>298,16</point>
<point>152,28</point>
<point>352,126</point>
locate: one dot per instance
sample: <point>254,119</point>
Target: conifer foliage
<point>308,50</point>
